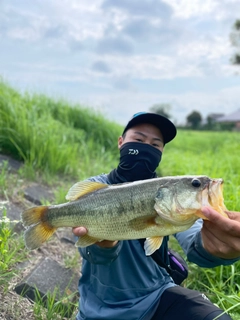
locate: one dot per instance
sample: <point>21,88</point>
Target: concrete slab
<point>13,165</point>
<point>37,194</point>
<point>50,279</point>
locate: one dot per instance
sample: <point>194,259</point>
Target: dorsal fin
<point>81,188</point>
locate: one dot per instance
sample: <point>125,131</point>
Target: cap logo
<point>133,151</point>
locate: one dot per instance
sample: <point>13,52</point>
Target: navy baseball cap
<point>166,127</point>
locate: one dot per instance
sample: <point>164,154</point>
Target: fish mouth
<point>213,197</point>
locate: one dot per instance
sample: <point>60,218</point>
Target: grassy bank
<point>53,136</point>
<point>60,144</point>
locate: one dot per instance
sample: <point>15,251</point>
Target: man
<point>118,280</point>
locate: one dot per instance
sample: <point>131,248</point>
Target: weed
<point>10,249</point>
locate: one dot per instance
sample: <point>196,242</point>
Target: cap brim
<point>166,127</point>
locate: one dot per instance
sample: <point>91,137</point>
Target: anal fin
<point>86,240</point>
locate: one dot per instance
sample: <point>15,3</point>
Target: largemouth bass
<point>148,209</point>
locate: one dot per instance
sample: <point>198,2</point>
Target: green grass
<point>53,136</point>
<point>61,144</point>
<point>51,307</point>
<point>11,250</point>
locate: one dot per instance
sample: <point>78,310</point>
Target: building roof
<point>232,117</point>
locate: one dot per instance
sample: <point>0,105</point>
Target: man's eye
<point>140,140</point>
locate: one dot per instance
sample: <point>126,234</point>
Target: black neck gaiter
<point>138,161</point>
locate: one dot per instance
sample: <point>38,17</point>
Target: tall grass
<point>52,135</point>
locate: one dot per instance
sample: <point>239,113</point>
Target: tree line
<point>194,120</point>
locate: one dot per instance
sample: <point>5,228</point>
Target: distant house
<point>231,118</point>
<point>211,118</point>
<point>215,116</point>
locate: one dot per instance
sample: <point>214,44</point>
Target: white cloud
<point>190,9</point>
<point>144,8</point>
<point>123,56</point>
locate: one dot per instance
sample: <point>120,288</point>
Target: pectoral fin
<point>85,241</point>
<point>142,223</point>
<point>152,244</point>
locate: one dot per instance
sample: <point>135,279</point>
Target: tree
<point>235,41</point>
<point>194,119</point>
<point>161,108</point>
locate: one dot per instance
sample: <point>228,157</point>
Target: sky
<point>120,57</point>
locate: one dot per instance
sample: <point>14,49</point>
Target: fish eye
<point>196,183</point>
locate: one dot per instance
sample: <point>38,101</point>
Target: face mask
<point>138,161</point>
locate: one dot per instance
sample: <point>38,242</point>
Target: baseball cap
<point>166,127</point>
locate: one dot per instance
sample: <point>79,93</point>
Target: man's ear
<point>120,142</point>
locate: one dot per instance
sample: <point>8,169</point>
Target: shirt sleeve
<point>98,255</point>
<point>191,243</point>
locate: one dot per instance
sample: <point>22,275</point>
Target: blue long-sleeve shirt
<point>122,283</point>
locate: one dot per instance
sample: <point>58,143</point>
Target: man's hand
<point>221,235</point>
<point>81,231</point>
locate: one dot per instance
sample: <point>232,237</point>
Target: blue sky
<point>123,56</point>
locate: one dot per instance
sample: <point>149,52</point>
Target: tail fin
<point>33,215</point>
<point>39,229</point>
